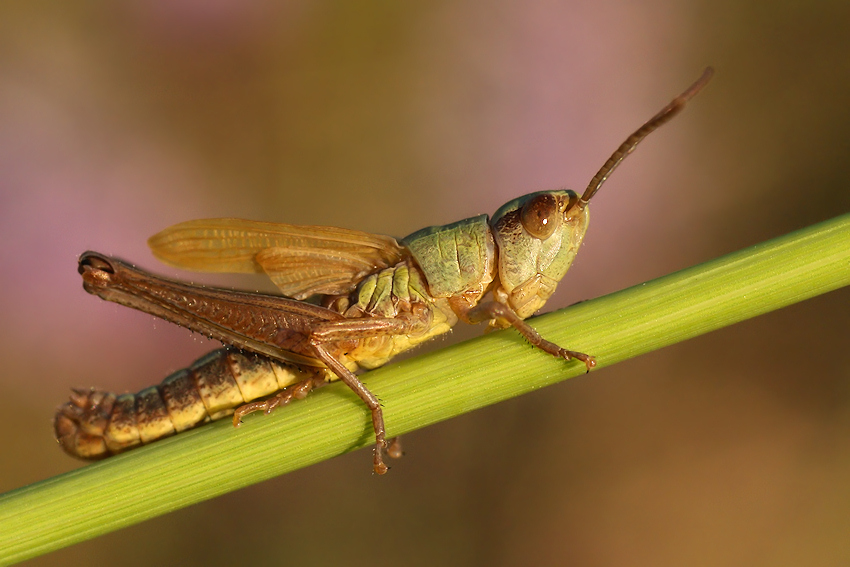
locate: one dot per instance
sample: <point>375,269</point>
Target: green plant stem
<point>217,458</point>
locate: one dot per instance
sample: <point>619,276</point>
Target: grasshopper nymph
<point>377,297</point>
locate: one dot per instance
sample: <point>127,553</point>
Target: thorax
<point>398,292</point>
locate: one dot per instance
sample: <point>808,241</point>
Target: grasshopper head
<point>537,236</point>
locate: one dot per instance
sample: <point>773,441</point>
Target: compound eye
<point>540,216</point>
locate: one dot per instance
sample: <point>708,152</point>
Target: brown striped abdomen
<point>96,424</point>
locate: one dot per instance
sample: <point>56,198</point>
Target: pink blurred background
<point>119,119</point>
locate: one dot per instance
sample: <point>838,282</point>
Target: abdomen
<point>96,424</point>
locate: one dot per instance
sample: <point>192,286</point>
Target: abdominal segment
<point>95,424</point>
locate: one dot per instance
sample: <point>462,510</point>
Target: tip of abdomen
<point>80,424</point>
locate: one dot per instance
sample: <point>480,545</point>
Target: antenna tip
<point>692,90</point>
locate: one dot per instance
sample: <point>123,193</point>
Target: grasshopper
<point>373,297</point>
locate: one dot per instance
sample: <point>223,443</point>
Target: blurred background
<point>119,119</point>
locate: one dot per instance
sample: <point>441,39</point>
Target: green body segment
<point>397,292</point>
<point>455,258</point>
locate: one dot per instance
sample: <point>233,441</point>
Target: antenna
<point>627,147</point>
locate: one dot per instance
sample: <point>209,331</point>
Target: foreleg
<point>495,310</point>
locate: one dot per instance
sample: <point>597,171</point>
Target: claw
<point>379,466</point>
<point>394,450</point>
